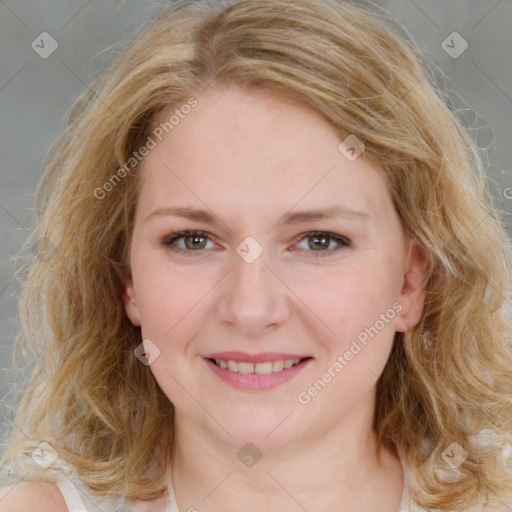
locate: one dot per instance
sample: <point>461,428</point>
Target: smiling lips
<point>257,371</point>
<point>259,368</point>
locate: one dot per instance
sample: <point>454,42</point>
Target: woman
<point>269,275</point>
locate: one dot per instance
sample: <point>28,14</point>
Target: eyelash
<point>169,239</point>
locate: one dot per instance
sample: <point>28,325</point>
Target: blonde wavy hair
<point>447,380</point>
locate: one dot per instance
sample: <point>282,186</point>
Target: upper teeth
<point>259,368</point>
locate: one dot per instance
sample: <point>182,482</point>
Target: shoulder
<point>28,496</point>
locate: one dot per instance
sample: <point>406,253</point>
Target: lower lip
<point>253,381</point>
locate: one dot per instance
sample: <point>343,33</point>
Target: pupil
<point>323,238</point>
<point>194,243</point>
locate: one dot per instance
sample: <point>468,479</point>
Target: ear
<point>130,302</point>
<point>412,295</point>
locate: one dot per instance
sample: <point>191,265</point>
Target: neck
<point>339,469</point>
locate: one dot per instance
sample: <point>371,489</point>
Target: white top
<point>80,498</point>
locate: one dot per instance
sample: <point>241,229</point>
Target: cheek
<point>168,299</point>
<point>356,303</point>
<point>173,307</point>
<point>351,298</point>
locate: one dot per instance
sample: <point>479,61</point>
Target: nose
<point>253,300</point>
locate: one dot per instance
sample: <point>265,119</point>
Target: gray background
<point>35,93</point>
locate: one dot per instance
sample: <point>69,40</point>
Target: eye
<point>194,240</point>
<point>320,241</point>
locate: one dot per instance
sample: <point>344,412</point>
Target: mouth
<point>265,373</point>
<point>263,368</point>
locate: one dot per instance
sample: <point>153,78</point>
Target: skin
<point>250,157</point>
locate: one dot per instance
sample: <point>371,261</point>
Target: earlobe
<point>130,302</point>
<point>412,295</point>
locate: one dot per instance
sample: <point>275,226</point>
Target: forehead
<point>248,149</point>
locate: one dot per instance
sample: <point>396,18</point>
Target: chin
<point>266,435</point>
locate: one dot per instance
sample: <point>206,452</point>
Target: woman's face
<point>256,174</point>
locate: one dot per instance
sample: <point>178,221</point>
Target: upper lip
<point>262,357</point>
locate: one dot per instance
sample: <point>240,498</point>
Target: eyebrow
<point>290,218</point>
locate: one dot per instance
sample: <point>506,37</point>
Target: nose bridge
<point>251,277</point>
<point>253,299</point>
